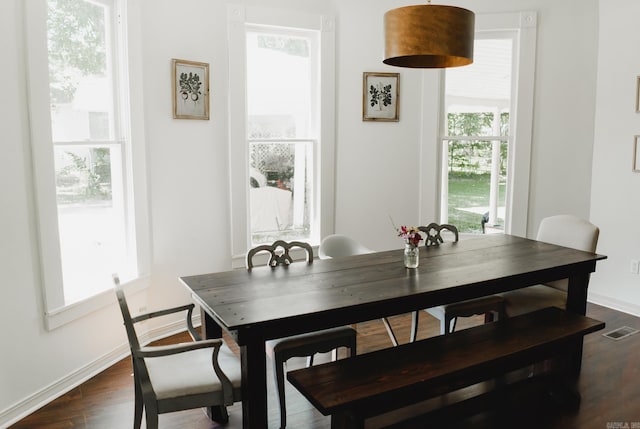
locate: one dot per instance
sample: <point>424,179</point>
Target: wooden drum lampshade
<point>429,36</point>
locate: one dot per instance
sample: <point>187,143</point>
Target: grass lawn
<point>470,190</point>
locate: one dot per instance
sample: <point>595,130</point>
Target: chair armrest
<point>188,308</point>
<point>157,351</point>
<point>172,349</point>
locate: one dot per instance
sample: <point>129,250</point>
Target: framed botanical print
<point>380,96</point>
<point>190,86</point>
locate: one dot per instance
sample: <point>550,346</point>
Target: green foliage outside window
<point>298,47</point>
<point>76,45</point>
<point>470,166</point>
<point>465,156</point>
<point>84,178</point>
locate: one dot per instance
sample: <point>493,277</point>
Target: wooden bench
<point>352,390</point>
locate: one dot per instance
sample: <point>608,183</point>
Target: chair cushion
<point>528,299</point>
<point>191,372</point>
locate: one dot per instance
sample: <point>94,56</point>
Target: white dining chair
<point>340,246</point>
<point>562,230</point>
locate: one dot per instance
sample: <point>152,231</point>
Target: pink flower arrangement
<point>410,234</point>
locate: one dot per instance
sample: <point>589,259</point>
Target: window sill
<point>69,313</point>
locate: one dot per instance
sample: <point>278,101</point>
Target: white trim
<point>431,159</point>
<point>37,400</point>
<point>137,193</point>
<point>68,313</point>
<point>239,202</point>
<point>327,134</point>
<point>614,303</point>
<point>519,163</point>
<point>35,13</point>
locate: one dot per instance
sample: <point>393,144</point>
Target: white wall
<point>615,206</point>
<point>188,171</point>
<point>378,163</point>
<point>377,175</point>
<point>563,115</point>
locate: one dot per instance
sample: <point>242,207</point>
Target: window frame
<point>524,26</point>
<point>56,311</point>
<point>238,18</point>
<point>309,137</point>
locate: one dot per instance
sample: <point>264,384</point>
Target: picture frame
<point>190,89</point>
<point>638,94</point>
<point>380,96</point>
<point>636,158</point>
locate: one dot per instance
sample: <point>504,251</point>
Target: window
<point>487,131</point>
<point>477,106</point>
<point>81,146</point>
<point>281,134</point>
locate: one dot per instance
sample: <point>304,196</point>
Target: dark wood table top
<point>282,301</point>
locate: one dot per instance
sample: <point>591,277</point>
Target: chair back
<point>279,253</point>
<point>141,374</point>
<point>568,231</point>
<point>338,246</point>
<point>434,233</point>
<point>134,344</point>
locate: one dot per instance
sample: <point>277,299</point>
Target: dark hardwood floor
<point>609,385</point>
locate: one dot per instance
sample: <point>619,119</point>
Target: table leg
<point>577,303</point>
<point>210,329</point>
<point>254,385</point>
<point>577,293</point>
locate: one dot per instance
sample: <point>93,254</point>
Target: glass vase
<point>411,256</point>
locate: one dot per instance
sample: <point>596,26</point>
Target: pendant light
<point>429,36</point>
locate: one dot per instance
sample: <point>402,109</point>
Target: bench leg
<point>564,388</point>
<point>565,394</point>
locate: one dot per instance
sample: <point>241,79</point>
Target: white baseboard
<point>616,304</point>
<point>44,396</point>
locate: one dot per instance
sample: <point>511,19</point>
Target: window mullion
<point>90,143</point>
<point>471,137</point>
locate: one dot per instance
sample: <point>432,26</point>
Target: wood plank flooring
<point>609,385</point>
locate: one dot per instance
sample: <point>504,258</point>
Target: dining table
<point>264,303</point>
